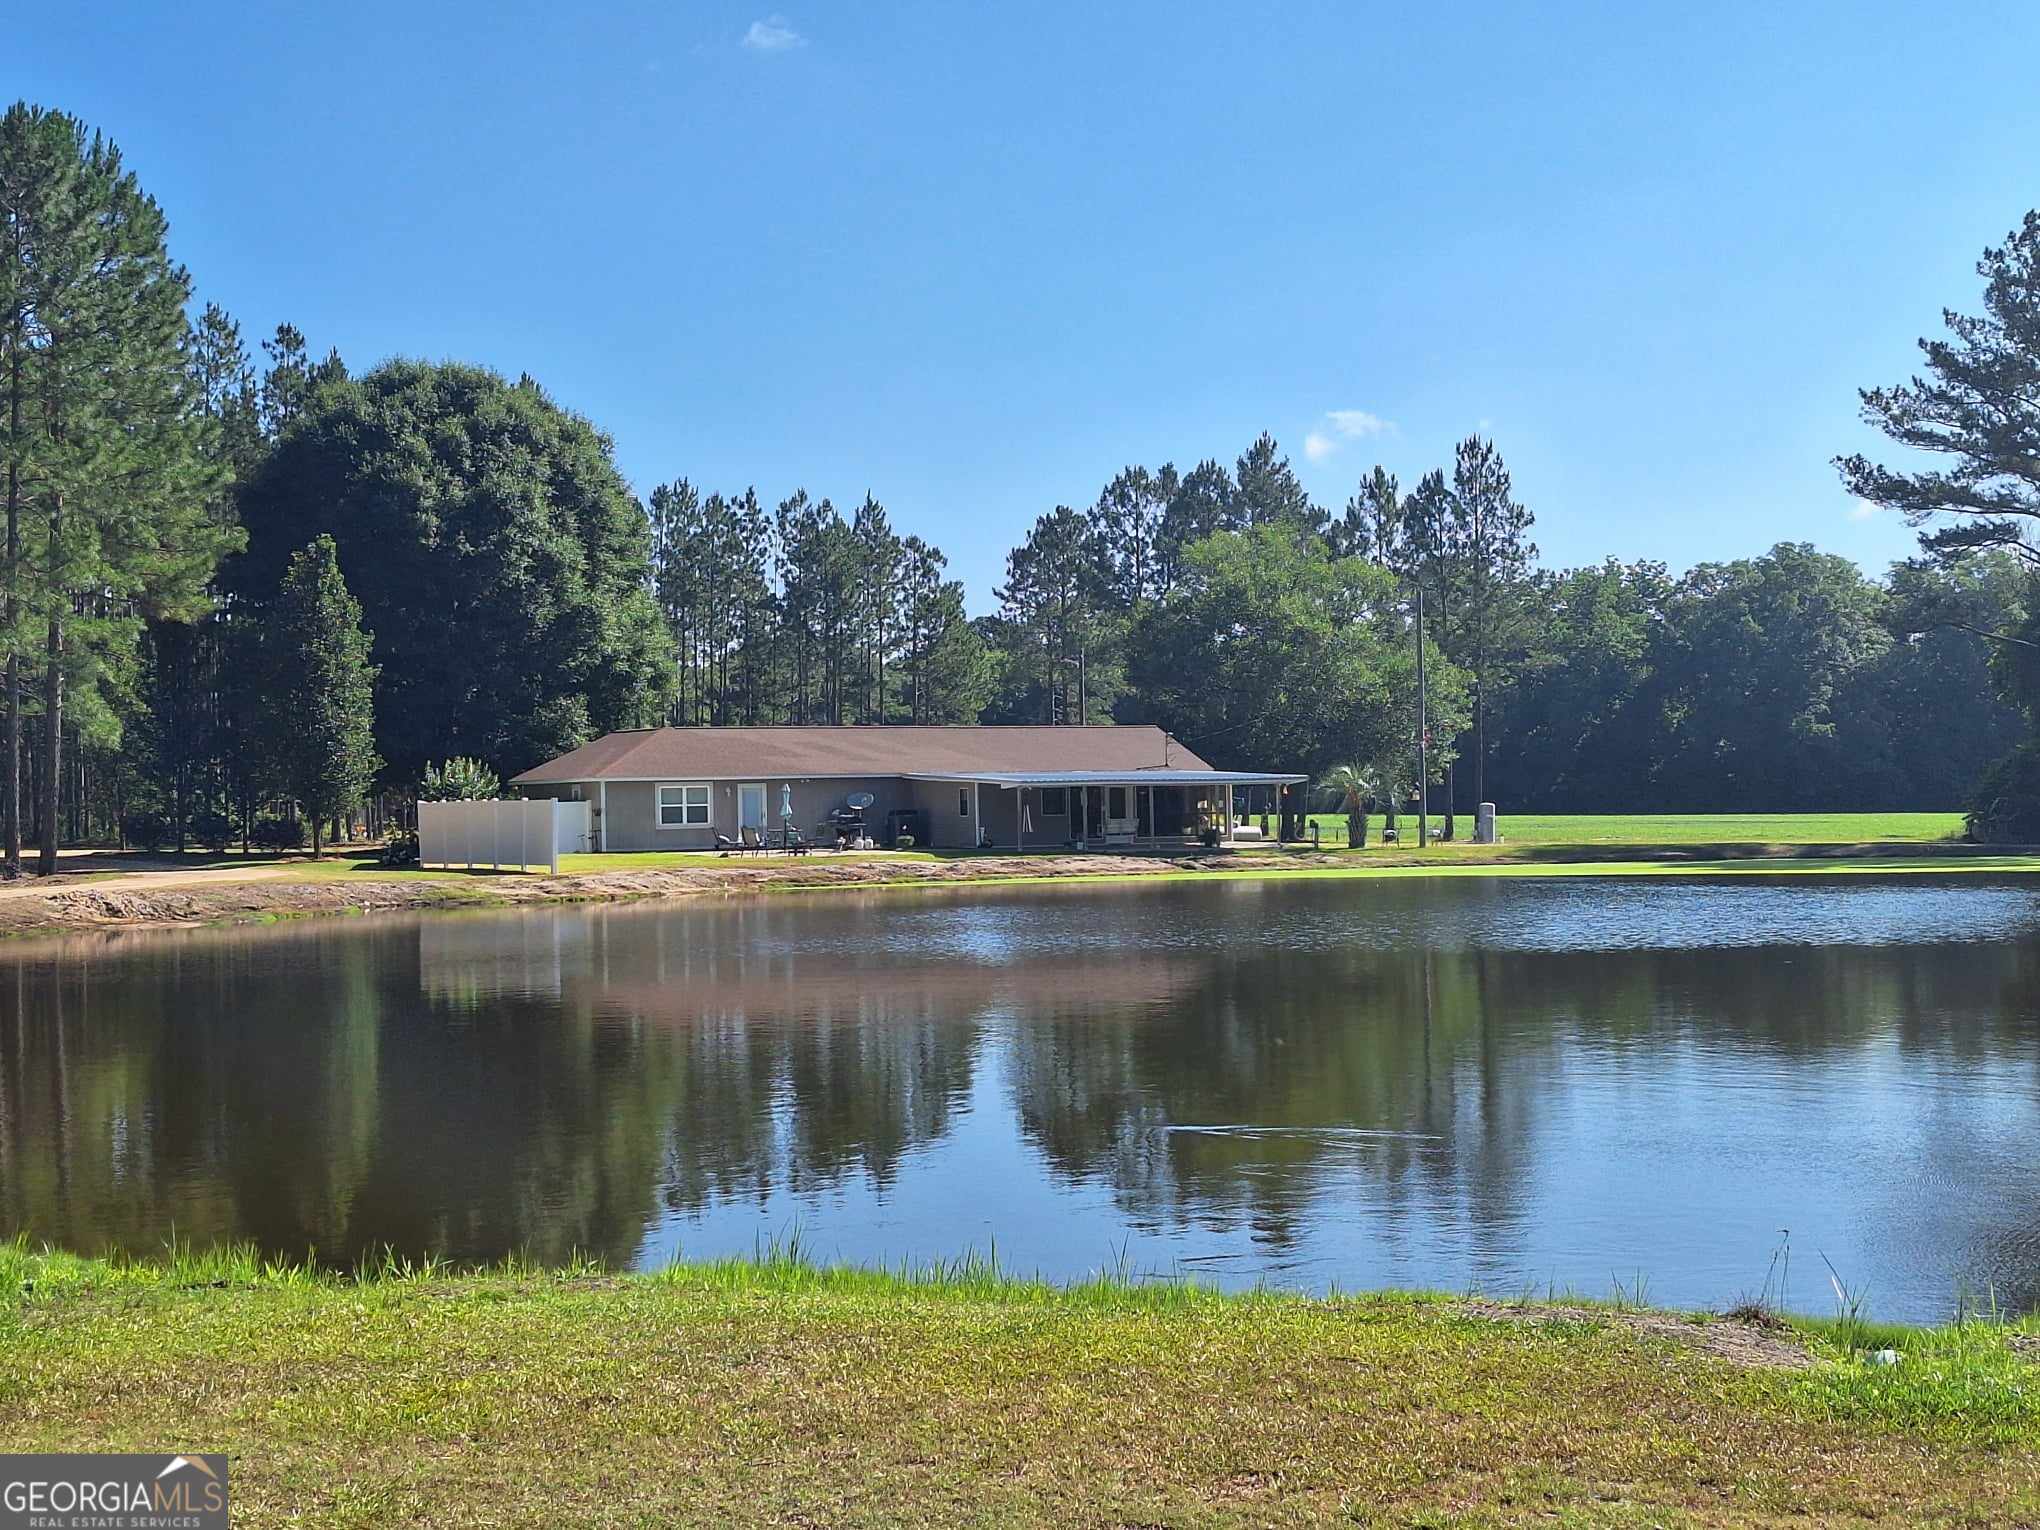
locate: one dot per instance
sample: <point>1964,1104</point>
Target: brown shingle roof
<point>712,754</point>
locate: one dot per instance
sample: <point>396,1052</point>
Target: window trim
<point>659,805</point>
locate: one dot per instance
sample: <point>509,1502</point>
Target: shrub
<point>273,833</point>
<point>400,848</point>
<point>459,780</point>
<point>215,831</point>
<point>144,831</point>
<point>2006,809</point>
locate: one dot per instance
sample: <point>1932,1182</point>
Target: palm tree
<point>1352,786</point>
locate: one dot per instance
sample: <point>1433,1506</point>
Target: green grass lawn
<point>779,1393</point>
<point>1688,828</point>
<point>676,860</point>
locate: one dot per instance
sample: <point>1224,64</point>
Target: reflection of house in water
<point>685,964</point>
<point>801,1043</point>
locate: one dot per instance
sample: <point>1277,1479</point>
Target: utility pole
<point>1423,734</point>
<point>1081,662</point>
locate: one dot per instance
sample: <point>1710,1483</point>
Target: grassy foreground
<point>779,1392</point>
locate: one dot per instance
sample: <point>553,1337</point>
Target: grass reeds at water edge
<point>1973,1378</point>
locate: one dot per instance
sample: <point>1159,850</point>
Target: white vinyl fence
<point>575,830</point>
<point>494,834</point>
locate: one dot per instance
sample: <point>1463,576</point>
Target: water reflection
<point>1443,1083</point>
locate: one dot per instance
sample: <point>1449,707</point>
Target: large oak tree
<point>498,557</point>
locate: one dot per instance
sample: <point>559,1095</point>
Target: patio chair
<point>797,843</point>
<point>726,845</point>
<point>753,840</point>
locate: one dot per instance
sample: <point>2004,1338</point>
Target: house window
<point>1055,802</point>
<point>684,807</point>
<point>963,802</point>
<point>1115,802</point>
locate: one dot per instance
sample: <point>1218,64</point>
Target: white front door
<point>751,806</point>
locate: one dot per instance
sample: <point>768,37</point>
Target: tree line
<point>798,615</point>
<point>253,597</point>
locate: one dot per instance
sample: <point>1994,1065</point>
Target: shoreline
<point>774,1389</point>
<point>127,901</point>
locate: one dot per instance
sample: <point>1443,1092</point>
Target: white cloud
<point>773,35</point>
<point>1357,423</point>
<point>1343,425</point>
<point>1863,510</point>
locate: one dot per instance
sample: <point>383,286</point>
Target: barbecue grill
<point>847,822</point>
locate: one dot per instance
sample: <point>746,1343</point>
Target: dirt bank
<point>169,896</point>
<point>132,903</point>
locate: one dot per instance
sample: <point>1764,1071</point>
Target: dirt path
<point>1765,1346</point>
<point>197,876</point>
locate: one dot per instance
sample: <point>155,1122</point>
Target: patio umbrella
<point>786,801</point>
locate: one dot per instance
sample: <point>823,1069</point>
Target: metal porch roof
<point>1115,777</point>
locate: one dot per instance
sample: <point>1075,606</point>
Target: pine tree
<point>878,575</point>
<point>1062,659</point>
<point>109,479</point>
<point>1489,551</point>
<point>948,670</point>
<point>1372,525</point>
<point>1128,523</point>
<point>322,716</point>
<point>1978,405</point>
<point>1269,493</point>
<point>1202,501</point>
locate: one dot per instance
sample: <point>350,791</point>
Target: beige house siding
<point>632,820</point>
<point>948,829</point>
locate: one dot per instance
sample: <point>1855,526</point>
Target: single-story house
<point>952,787</point>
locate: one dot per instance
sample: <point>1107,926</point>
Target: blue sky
<point>977,258</point>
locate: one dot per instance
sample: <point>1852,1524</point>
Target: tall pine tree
<point>108,475</point>
<point>1489,552</point>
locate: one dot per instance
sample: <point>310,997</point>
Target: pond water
<point>1457,1083</point>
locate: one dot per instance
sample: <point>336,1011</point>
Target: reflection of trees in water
<point>813,1050</point>
<point>304,1091</point>
<point>1461,1054</point>
<point>472,1086</point>
<point>466,1087</point>
<point>1234,1101</point>
<point>130,1114</point>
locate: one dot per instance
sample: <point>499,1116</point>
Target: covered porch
<point>1158,809</point>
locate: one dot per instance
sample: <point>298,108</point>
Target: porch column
<point>1228,812</point>
<point>977,834</point>
<point>1020,818</point>
<point>602,809</point>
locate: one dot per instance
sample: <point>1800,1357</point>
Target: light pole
<point>1081,659</point>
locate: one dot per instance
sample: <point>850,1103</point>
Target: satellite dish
<point>860,800</point>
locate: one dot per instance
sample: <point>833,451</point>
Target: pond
<point>1508,1084</point>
